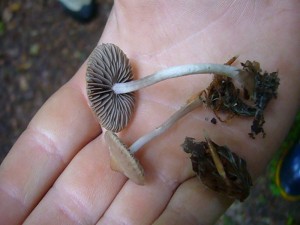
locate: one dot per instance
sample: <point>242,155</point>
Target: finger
<point>57,132</point>
<point>84,190</point>
<point>193,203</point>
<point>136,204</point>
<point>166,166</point>
<point>88,186</point>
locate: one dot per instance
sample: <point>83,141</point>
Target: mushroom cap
<point>106,66</point>
<point>122,160</point>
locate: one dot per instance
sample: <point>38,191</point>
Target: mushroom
<point>110,83</point>
<point>122,157</point>
<point>106,66</point>
<point>122,160</point>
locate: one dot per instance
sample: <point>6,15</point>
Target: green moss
<point>227,220</point>
<point>290,221</point>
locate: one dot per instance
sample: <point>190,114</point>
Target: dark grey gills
<point>106,66</point>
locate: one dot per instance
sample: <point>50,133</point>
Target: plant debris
<point>223,96</point>
<point>259,89</point>
<point>213,121</point>
<point>219,168</point>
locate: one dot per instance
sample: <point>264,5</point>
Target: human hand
<point>58,171</point>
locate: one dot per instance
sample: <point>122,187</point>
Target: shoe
<point>81,10</point>
<point>288,173</point>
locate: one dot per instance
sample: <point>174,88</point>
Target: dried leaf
<point>223,96</point>
<point>265,88</point>
<point>237,181</point>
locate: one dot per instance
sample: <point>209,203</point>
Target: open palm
<point>58,172</point>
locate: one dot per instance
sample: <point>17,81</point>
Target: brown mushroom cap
<point>106,66</point>
<point>122,160</point>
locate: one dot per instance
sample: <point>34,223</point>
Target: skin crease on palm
<point>58,171</point>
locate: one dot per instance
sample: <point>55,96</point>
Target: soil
<point>41,47</point>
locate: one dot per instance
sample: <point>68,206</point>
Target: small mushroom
<point>106,66</point>
<point>122,158</point>
<point>110,83</point>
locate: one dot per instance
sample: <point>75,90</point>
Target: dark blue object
<point>86,12</point>
<point>288,173</point>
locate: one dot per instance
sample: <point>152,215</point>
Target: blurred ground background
<point>41,48</point>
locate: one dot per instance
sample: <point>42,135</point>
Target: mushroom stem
<point>173,72</point>
<point>190,106</point>
<point>122,158</point>
<point>110,83</point>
